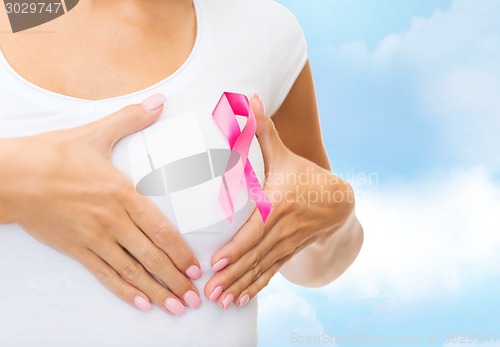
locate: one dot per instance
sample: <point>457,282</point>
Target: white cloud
<point>428,237</point>
<point>435,237</point>
<point>284,316</point>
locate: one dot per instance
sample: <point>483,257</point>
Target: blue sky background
<point>355,104</point>
<point>408,94</point>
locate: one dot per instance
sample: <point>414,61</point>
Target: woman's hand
<point>62,188</point>
<point>309,204</point>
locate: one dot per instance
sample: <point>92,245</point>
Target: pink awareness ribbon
<point>230,105</point>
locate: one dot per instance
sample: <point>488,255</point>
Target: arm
<point>298,125</point>
<point>67,194</point>
<point>312,234</point>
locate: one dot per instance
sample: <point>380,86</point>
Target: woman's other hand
<point>62,188</point>
<point>309,205</point>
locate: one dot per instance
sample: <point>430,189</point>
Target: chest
<point>93,68</point>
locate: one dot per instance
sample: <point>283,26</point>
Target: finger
<point>237,290</point>
<point>247,262</point>
<point>227,298</point>
<point>259,284</point>
<point>235,278</point>
<point>283,239</point>
<point>133,273</point>
<point>108,130</point>
<point>248,236</point>
<point>163,234</point>
<point>266,132</point>
<point>110,279</point>
<point>156,262</point>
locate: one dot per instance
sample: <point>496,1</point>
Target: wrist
<point>338,210</point>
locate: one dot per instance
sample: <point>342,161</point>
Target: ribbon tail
<point>259,196</point>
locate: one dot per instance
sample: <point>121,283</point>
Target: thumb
<point>266,132</point>
<point>128,120</point>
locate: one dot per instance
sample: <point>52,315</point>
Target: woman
<point>67,175</point>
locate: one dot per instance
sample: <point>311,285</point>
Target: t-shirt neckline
<point>179,74</point>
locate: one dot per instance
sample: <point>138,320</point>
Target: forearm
<point>329,257</point>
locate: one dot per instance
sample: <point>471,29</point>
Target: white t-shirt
<point>49,299</point>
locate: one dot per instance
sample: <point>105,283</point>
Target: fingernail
<point>222,263</point>
<point>244,299</point>
<point>141,303</point>
<point>216,293</point>
<point>193,272</point>
<point>174,306</point>
<point>154,101</point>
<point>228,300</point>
<point>192,299</point>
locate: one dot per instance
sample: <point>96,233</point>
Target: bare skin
<point>307,253</point>
<point>83,50</point>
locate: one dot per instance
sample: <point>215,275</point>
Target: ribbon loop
<point>224,114</point>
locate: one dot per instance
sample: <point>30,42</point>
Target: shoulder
<point>270,11</point>
<point>262,35</point>
<point>277,23</point>
<point>267,26</point>
<point>267,16</point>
